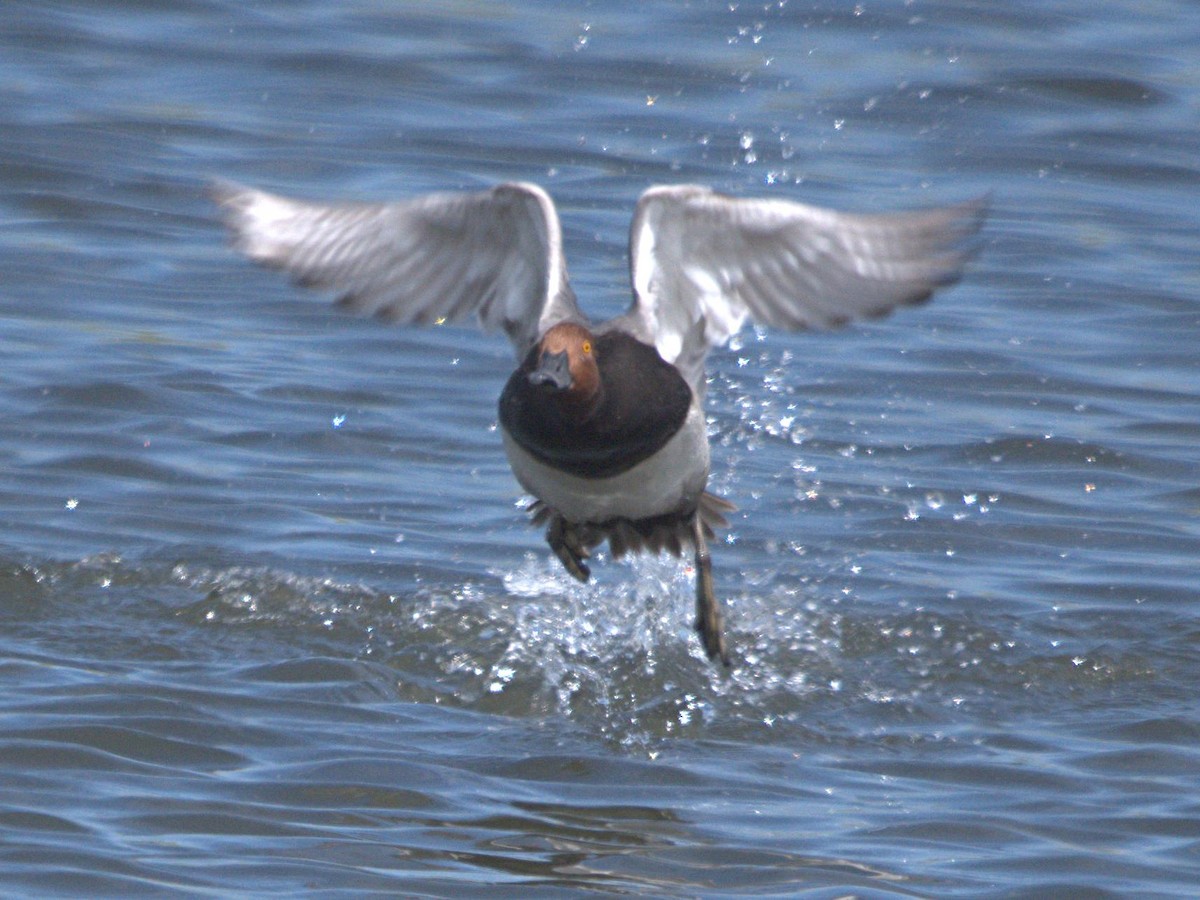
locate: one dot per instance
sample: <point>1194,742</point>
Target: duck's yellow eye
<point>587,347</point>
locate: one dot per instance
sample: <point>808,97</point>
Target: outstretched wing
<point>702,263</point>
<point>440,257</point>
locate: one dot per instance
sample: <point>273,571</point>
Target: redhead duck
<point>603,423</point>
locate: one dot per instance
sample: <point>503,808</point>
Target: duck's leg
<point>564,540</point>
<point>708,610</point>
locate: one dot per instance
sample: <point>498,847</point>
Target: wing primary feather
<point>497,253</point>
<point>700,256</point>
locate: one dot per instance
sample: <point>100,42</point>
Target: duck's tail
<point>670,533</point>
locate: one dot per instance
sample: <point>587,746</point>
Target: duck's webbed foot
<point>709,622</point>
<point>568,545</point>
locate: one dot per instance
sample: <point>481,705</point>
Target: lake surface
<point>272,619</point>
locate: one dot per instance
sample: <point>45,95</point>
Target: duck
<point>604,423</point>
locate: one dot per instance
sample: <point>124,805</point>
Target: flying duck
<point>604,423</point>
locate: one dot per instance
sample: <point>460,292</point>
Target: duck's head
<point>564,365</point>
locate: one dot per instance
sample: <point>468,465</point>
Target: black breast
<point>645,402</point>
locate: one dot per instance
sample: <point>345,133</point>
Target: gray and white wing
<point>440,257</point>
<point>702,263</point>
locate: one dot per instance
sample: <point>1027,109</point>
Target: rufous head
<point>565,365</point>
